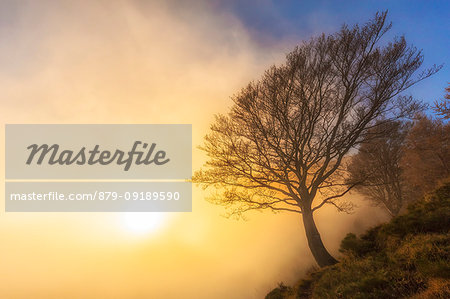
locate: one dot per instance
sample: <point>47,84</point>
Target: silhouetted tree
<point>282,144</point>
<point>427,154</point>
<point>376,167</point>
<point>442,108</point>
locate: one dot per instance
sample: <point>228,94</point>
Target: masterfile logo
<point>109,168</point>
<point>91,157</point>
<point>99,151</point>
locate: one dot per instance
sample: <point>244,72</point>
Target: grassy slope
<point>409,257</point>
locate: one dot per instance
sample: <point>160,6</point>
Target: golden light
<point>143,223</point>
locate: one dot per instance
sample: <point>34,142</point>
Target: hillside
<point>409,257</point>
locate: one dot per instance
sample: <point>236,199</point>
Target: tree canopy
<point>376,168</point>
<point>282,144</point>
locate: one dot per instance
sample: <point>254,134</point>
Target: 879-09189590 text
<point>98,195</point>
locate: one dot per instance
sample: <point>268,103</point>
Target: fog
<point>140,62</point>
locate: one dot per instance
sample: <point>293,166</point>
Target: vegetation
<point>442,108</point>
<point>376,168</point>
<point>389,168</point>
<point>426,151</point>
<point>409,257</point>
<point>282,145</point>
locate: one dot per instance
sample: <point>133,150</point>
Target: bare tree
<point>426,158</point>
<point>442,108</point>
<point>282,144</point>
<point>376,167</point>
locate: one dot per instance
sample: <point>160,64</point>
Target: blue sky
<point>425,24</point>
<point>234,38</point>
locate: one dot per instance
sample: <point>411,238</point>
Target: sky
<point>425,24</point>
<point>171,62</point>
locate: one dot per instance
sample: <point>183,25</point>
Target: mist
<point>140,62</point>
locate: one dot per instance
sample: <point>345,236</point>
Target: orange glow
<point>111,62</point>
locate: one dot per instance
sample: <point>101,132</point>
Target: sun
<point>143,223</point>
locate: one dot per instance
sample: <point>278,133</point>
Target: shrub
<point>407,257</point>
<point>280,292</point>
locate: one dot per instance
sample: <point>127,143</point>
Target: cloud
<point>120,61</point>
<point>140,62</point>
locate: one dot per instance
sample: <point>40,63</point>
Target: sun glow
<point>143,223</point>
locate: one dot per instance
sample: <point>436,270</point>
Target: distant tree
<point>282,144</point>
<point>442,108</point>
<point>376,167</point>
<point>427,154</point>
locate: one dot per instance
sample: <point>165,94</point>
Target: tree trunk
<point>320,253</point>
